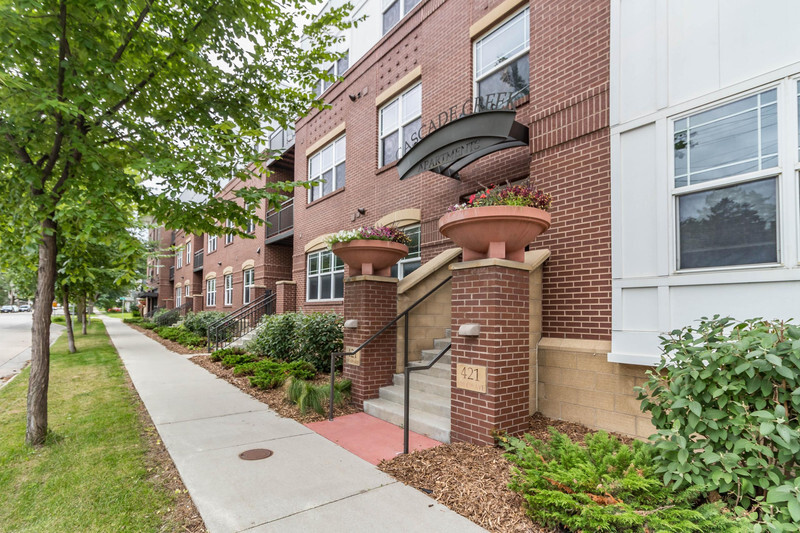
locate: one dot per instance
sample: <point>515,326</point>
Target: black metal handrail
<point>173,315</point>
<point>240,322</point>
<point>153,312</point>
<point>406,404</point>
<point>336,355</point>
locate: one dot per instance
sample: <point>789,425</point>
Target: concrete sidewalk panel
<point>388,509</point>
<point>207,434</point>
<point>192,403</point>
<point>305,472</point>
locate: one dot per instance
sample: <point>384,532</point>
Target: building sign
<point>466,139</point>
<point>471,377</point>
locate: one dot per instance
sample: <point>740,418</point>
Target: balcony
<point>280,223</point>
<point>171,273</point>
<point>198,260</point>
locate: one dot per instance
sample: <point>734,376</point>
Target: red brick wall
<point>567,114</point>
<point>496,298</point>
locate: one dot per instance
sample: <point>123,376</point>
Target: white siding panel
<point>640,309</point>
<point>638,223</point>
<point>741,301</point>
<point>693,49</point>
<point>637,59</point>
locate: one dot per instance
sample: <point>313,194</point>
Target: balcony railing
<point>171,273</point>
<point>198,260</point>
<point>281,220</point>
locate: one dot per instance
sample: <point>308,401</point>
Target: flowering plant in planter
<point>369,233</point>
<point>522,195</point>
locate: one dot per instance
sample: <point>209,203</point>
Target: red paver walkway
<point>370,438</point>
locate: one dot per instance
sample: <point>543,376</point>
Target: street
<point>15,342</point>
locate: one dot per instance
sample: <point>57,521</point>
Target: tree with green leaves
<point>100,97</point>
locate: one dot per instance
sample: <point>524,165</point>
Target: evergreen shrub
<point>725,402</point>
<point>605,485</point>
<point>180,335</point>
<point>235,359</point>
<point>218,355</point>
<point>269,373</point>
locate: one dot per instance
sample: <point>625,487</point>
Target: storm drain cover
<point>254,455</point>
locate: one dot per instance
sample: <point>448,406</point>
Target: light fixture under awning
<point>465,140</point>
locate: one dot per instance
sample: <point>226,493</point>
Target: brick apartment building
<point>605,88</point>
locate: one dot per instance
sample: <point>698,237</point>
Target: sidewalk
<point>309,484</point>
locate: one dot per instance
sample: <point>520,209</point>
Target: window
<point>248,285</point>
<point>188,292</point>
<point>212,243</point>
<point>228,238</point>
<point>328,168</point>
<point>412,261</point>
<point>337,69</point>
<point>394,10</point>
<point>400,122</point>
<point>211,292</point>
<point>325,276</point>
<point>228,281</point>
<point>188,253</point>
<point>726,183</point>
<point>177,296</point>
<point>501,58</point>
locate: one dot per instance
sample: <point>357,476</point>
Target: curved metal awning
<point>463,141</point>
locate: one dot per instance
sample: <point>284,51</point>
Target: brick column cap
<point>489,262</point>
<point>381,279</point>
<point>285,282</point>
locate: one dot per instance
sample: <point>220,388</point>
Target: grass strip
<point>92,473</point>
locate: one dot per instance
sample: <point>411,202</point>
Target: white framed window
<point>328,167</point>
<point>179,258</point>
<point>324,276</point>
<point>228,238</point>
<point>413,260</point>
<point>394,10</point>
<point>336,69</point>
<point>248,285</point>
<point>177,297</point>
<point>251,223</point>
<point>212,244</point>
<point>725,184</point>
<point>211,292</point>
<point>399,124</point>
<point>188,253</point>
<point>501,58</point>
<point>188,291</point>
<point>228,289</point>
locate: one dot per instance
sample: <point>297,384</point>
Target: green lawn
<point>91,475</point>
<point>119,315</point>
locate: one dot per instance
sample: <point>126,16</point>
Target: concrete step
<point>428,355</point>
<point>429,384</point>
<point>422,401</point>
<point>438,344</point>
<point>439,370</point>
<point>241,341</point>
<point>435,427</point>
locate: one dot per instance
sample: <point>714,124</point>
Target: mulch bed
<point>170,345</point>
<point>274,398</point>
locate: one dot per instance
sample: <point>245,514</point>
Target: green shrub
<point>307,395</point>
<point>134,320</point>
<point>725,401</point>
<point>180,335</point>
<point>321,335</point>
<point>269,373</point>
<point>135,312</point>
<point>296,336</point>
<point>234,359</point>
<point>245,369</point>
<point>158,313</point>
<point>605,486</point>
<point>218,355</point>
<point>60,319</point>
<point>277,337</point>
<point>198,323</point>
<point>147,324</point>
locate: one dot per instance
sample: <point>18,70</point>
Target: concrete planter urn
<point>370,257</point>
<point>496,231</point>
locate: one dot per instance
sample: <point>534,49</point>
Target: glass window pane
<point>504,42</point>
<point>769,131</point>
<point>313,288</point>
<point>343,63</point>
<point>391,16</point>
<point>732,108</point>
<point>341,149</point>
<point>325,261</point>
<point>340,175</point>
<point>325,286</point>
<point>314,167</point>
<point>409,5</point>
<point>680,154</point>
<point>726,141</point>
<point>338,264</point>
<point>338,285</point>
<point>411,134</point>
<point>313,264</point>
<point>410,267</point>
<point>512,78</point>
<point>413,248</point>
<point>412,103</point>
<point>389,148</point>
<point>327,158</point>
<point>327,186</point>
<point>769,96</point>
<point>389,120</point>
<point>729,226</point>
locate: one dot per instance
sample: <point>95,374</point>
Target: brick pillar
<point>197,303</point>
<point>490,382</point>
<point>286,297</point>
<point>372,301</point>
<point>258,291</point>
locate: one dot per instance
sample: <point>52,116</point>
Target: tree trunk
<point>36,429</point>
<point>68,320</point>
<point>82,312</point>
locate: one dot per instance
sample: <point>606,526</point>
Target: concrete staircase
<point>429,411</point>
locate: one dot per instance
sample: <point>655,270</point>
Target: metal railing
<point>240,322</point>
<point>336,355</point>
<point>198,260</point>
<point>281,220</point>
<point>171,273</point>
<point>407,370</point>
<point>153,311</point>
<point>173,315</point>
